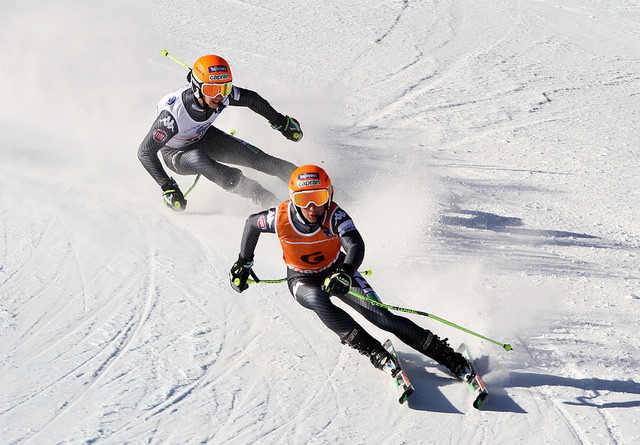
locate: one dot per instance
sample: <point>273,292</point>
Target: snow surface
<point>487,150</point>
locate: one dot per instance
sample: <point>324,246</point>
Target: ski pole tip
<point>164,52</point>
<point>507,347</point>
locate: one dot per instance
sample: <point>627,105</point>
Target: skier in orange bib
<point>323,250</point>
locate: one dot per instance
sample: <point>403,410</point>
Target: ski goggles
<point>316,197</point>
<point>215,89</point>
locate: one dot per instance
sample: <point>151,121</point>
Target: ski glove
<point>338,283</point>
<point>289,127</point>
<point>239,274</point>
<point>173,197</point>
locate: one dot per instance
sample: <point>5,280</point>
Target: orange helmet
<point>310,184</point>
<point>211,76</point>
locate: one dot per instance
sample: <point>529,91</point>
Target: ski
<point>475,383</point>
<point>404,386</point>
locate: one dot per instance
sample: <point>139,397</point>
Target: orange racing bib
<point>307,252</point>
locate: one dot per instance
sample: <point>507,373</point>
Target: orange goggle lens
<point>317,197</point>
<point>214,89</point>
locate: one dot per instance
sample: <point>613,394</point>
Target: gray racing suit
<point>306,287</point>
<point>189,144</point>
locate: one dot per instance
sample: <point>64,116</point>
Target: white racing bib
<point>189,130</point>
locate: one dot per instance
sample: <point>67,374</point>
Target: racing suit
<point>189,144</point>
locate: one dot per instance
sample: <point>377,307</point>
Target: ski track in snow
<point>495,139</point>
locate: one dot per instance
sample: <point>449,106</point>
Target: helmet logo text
<point>310,183</point>
<point>304,176</point>
<point>216,77</point>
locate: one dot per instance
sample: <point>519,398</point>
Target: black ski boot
<point>441,352</point>
<point>365,344</point>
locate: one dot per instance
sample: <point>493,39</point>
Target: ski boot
<point>365,344</point>
<point>441,352</point>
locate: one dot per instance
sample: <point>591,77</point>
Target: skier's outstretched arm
<point>287,125</point>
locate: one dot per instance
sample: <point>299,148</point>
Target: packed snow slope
<point>487,150</point>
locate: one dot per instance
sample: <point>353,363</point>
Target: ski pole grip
<point>164,52</point>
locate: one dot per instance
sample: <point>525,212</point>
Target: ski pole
<point>282,280</point>
<point>507,347</point>
<point>166,53</point>
<point>192,186</point>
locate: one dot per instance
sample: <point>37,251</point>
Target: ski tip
<point>479,400</point>
<point>403,398</point>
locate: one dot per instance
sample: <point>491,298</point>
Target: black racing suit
<point>215,146</point>
<point>306,287</point>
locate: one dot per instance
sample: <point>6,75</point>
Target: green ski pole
<point>166,53</point>
<point>282,280</point>
<point>507,347</point>
<point>192,185</point>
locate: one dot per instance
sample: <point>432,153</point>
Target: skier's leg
<point>406,330</point>
<point>309,294</point>
<point>195,161</point>
<point>223,147</point>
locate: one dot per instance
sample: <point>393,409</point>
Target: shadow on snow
<point>429,379</point>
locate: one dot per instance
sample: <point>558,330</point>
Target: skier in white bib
<point>189,144</point>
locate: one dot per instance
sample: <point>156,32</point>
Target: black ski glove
<point>338,283</point>
<point>239,274</point>
<point>289,127</point>
<point>173,197</point>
